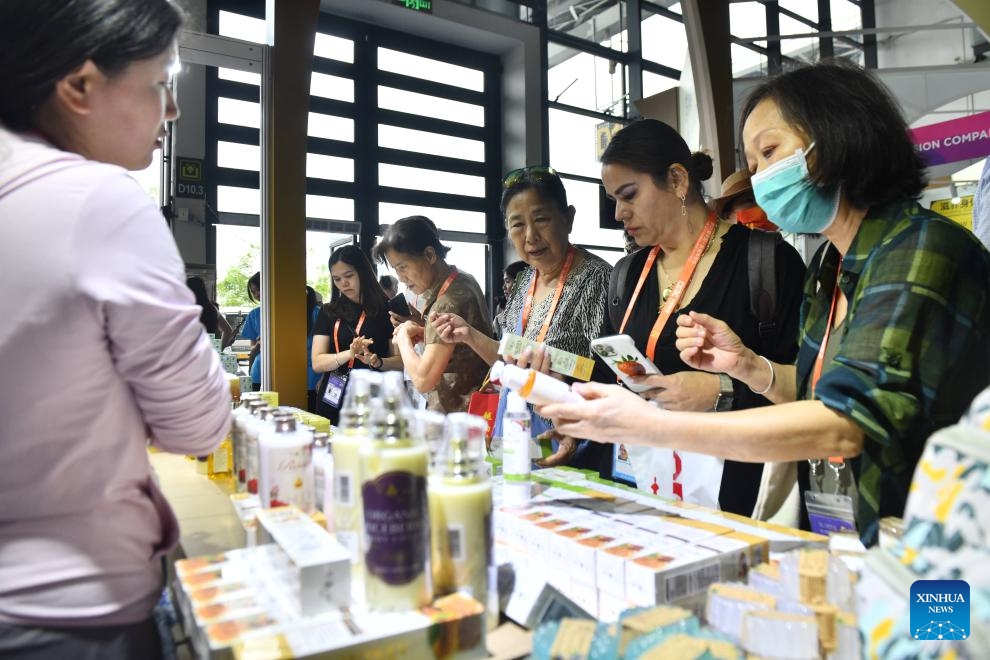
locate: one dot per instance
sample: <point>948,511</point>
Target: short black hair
<point>42,41</point>
<point>208,314</point>
<point>861,139</point>
<point>373,300</point>
<point>516,267</point>
<point>545,182</point>
<point>411,235</point>
<point>650,146</point>
<point>388,281</point>
<point>255,281</point>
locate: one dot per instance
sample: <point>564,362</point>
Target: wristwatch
<point>723,401</point>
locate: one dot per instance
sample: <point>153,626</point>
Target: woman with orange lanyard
<point>557,300</point>
<point>352,331</point>
<point>445,373</point>
<point>694,262</point>
<point>895,337</point>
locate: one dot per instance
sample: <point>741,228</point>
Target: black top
<point>724,294</point>
<point>378,329</point>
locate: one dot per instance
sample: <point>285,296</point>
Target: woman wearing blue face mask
<point>895,336</point>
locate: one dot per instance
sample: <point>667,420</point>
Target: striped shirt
<point>914,348</point>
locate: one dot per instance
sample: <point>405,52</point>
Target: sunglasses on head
<point>534,173</point>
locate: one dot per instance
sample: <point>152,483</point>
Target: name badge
<point>336,383</point>
<point>830,512</point>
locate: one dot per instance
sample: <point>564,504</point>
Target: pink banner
<point>954,140</point>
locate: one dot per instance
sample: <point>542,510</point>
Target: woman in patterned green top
<point>895,336</point>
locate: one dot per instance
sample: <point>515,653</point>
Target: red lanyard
<point>687,272</point>
<point>816,372</point>
<point>527,307</point>
<point>357,331</point>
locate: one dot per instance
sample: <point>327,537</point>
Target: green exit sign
<point>425,6</point>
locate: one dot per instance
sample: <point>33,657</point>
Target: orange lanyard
<point>527,307</point>
<point>357,332</point>
<point>816,372</point>
<point>687,272</point>
<point>446,283</point>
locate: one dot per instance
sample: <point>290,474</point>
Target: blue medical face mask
<point>791,200</point>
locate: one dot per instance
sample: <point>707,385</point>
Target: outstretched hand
<point>609,414</point>
<point>708,344</point>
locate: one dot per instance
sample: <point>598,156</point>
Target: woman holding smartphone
<point>352,331</point>
<point>445,373</point>
<point>692,261</point>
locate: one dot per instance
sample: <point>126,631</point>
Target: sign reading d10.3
<point>940,610</point>
<point>189,178</point>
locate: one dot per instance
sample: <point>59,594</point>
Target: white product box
<point>668,575</point>
<point>322,562</point>
<point>610,607</point>
<point>610,561</point>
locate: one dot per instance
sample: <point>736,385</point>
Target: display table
<point>207,521</point>
<point>576,545</point>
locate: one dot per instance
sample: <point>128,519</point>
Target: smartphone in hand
<point>399,305</point>
<point>619,352</point>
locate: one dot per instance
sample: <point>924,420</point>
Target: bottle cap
<point>495,374</point>
<point>428,427</point>
<point>362,389</point>
<point>321,439</point>
<point>248,397</point>
<point>464,446</point>
<point>285,424</point>
<point>390,420</point>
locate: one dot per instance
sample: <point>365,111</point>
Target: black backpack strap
<point>762,267</point>
<point>616,290</point>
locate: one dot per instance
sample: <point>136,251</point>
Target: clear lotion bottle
<point>460,495</point>
<point>354,431</point>
<point>393,497</point>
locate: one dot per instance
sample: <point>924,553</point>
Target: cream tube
<point>535,387</point>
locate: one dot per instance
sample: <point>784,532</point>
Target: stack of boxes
<point>608,550</point>
<point>293,598</point>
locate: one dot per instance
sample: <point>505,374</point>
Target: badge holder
<point>336,384</point>
<point>830,512</point>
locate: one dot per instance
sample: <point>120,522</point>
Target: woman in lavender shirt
<point>101,347</point>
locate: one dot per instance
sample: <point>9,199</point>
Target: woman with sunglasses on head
<point>352,331</point>
<point>445,373</point>
<point>692,261</point>
<point>558,299</point>
<point>895,336</point>
<point>94,291</point>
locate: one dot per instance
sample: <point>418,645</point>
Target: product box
<point>319,424</point>
<point>323,563</point>
<point>584,552</point>
<point>610,607</point>
<point>669,575</point>
<point>452,626</point>
<point>562,362</point>
<point>246,505</point>
<point>694,531</point>
<point>610,562</point>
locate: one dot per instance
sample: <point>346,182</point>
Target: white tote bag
<point>681,475</point>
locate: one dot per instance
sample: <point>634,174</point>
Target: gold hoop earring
<point>683,205</point>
